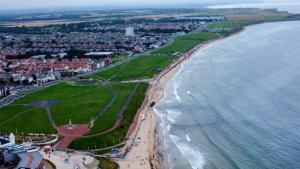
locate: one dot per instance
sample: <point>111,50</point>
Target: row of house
<point>40,70</point>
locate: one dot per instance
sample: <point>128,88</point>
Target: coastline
<point>144,137</point>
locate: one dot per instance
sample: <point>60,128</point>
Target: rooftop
<point>3,141</point>
<point>98,53</point>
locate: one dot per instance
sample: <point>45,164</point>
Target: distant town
<point>33,59</point>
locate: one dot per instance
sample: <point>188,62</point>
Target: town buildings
<point>129,31</point>
<point>19,156</point>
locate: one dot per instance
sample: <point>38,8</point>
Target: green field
<point>18,119</point>
<point>78,103</point>
<point>117,135</point>
<point>109,118</point>
<point>232,25</point>
<point>184,43</point>
<point>141,67</point>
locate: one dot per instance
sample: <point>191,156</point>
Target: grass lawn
<point>10,111</point>
<point>119,134</point>
<point>141,67</point>
<point>109,118</point>
<point>120,58</point>
<point>59,91</point>
<point>33,120</point>
<point>184,43</point>
<point>226,25</point>
<point>78,103</point>
<point>81,108</point>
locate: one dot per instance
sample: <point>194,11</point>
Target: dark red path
<point>69,135</point>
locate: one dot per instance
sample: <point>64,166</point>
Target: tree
<point>25,82</point>
<point>34,77</point>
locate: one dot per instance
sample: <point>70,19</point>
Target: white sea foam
<point>188,138</point>
<point>164,124</point>
<point>188,92</point>
<point>173,115</point>
<point>192,154</point>
<point>176,87</point>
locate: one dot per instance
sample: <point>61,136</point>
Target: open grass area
<point>109,118</point>
<point>232,25</point>
<point>77,103</point>
<point>119,134</point>
<point>120,58</point>
<point>24,119</point>
<point>81,108</point>
<point>184,43</point>
<point>141,67</point>
<point>59,91</point>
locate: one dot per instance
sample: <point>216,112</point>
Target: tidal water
<point>292,6</point>
<point>236,103</point>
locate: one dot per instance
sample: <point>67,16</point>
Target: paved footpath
<point>69,134</point>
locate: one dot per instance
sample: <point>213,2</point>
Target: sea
<point>236,103</point>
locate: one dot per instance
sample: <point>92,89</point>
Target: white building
<point>130,31</point>
<point>11,140</point>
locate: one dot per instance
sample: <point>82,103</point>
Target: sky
<point>38,4</point>
<point>35,4</point>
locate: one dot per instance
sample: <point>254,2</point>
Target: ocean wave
<point>173,115</point>
<point>176,87</point>
<point>193,156</point>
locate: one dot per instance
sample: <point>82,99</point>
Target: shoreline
<point>145,143</point>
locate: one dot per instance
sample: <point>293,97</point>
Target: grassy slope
<point>141,67</point>
<point>185,43</point>
<point>109,118</point>
<point>118,135</point>
<point>82,107</point>
<point>79,103</point>
<point>225,25</point>
<point>59,91</point>
<point>33,121</point>
<point>11,110</point>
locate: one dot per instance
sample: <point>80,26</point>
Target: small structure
<point>70,126</point>
<point>100,58</point>
<point>4,91</point>
<point>92,122</point>
<point>4,141</point>
<point>130,31</point>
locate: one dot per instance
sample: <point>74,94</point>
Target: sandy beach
<point>144,138</point>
